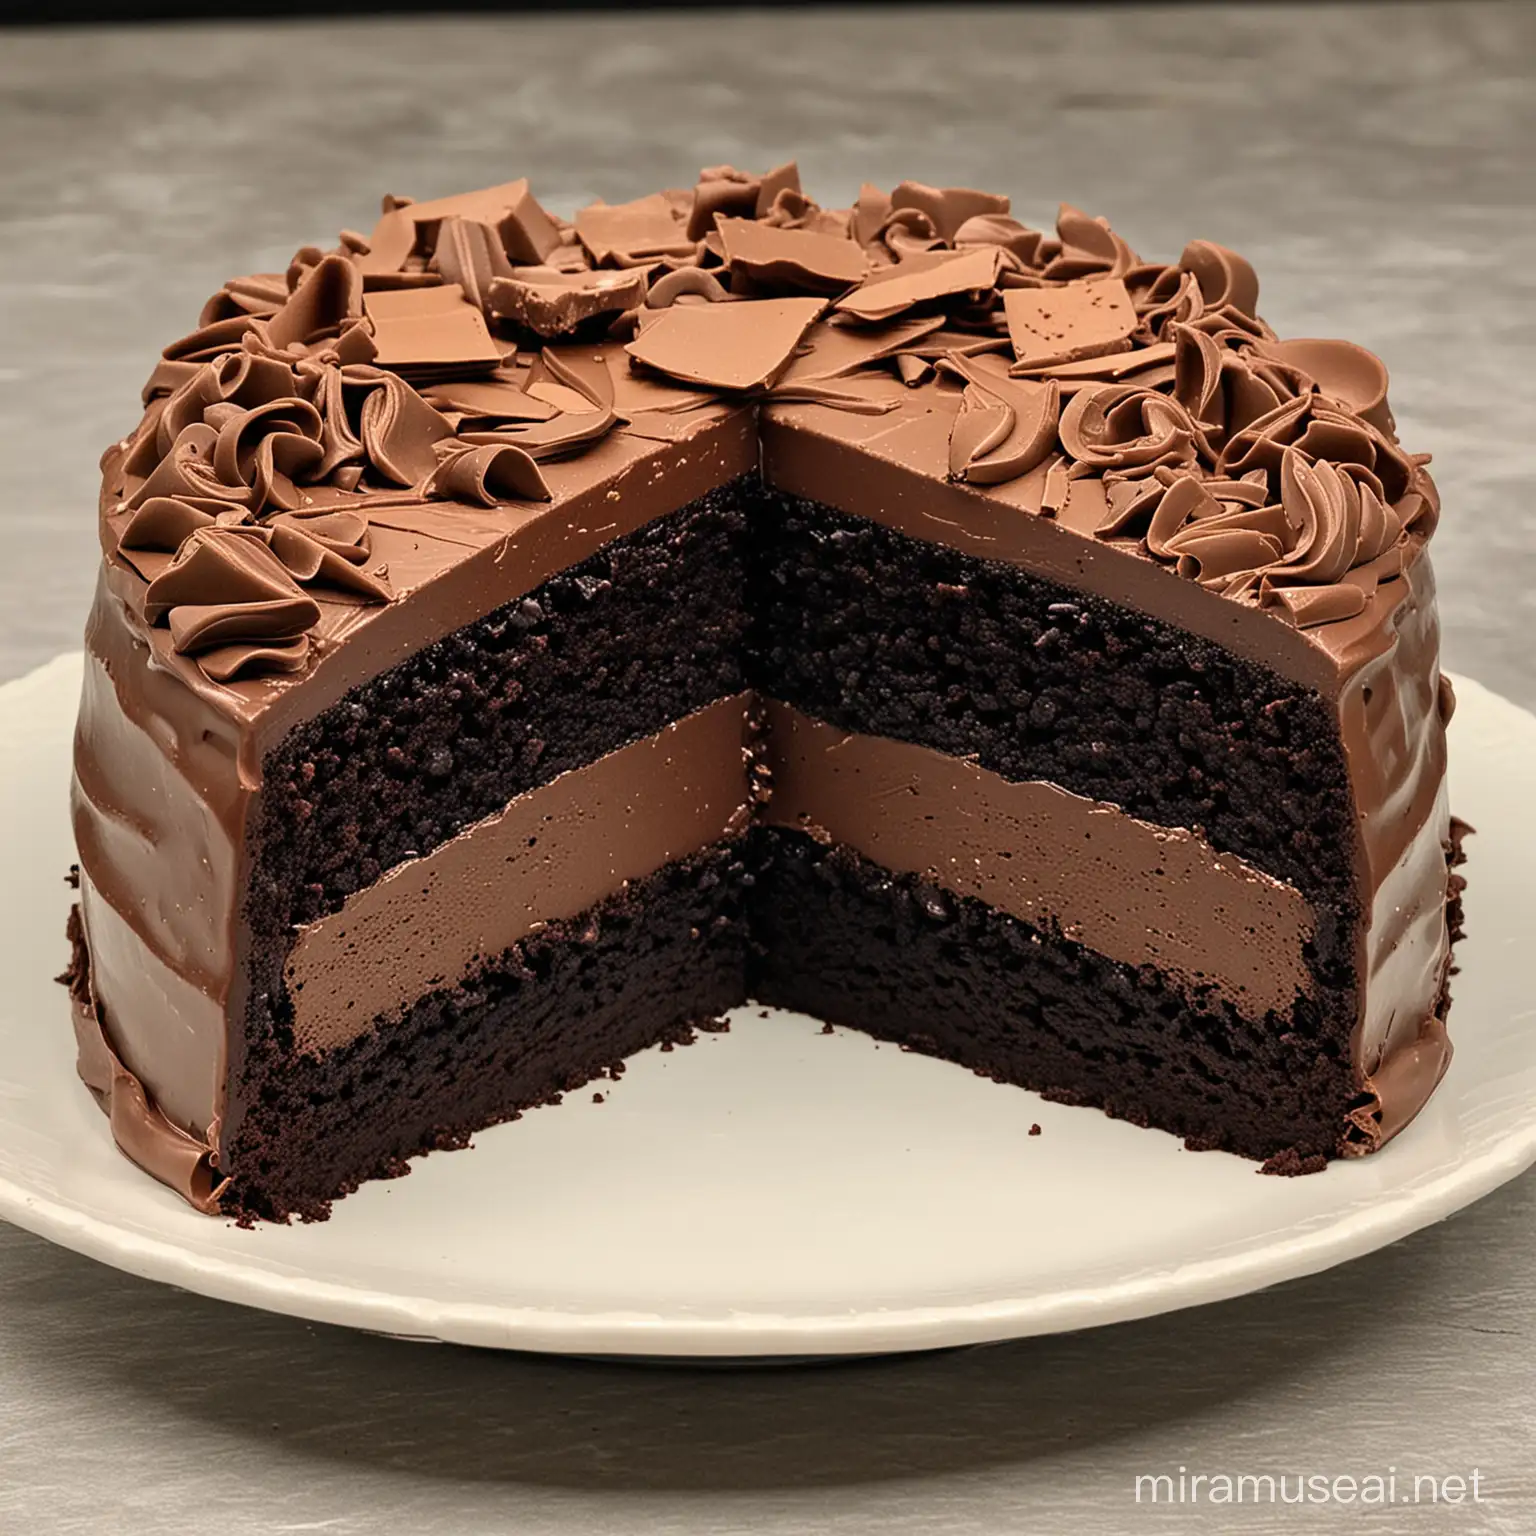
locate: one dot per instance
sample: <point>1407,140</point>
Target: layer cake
<point>520,641</point>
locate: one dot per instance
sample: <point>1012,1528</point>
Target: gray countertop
<point>1373,161</point>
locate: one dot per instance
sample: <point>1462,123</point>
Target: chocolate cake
<point>520,641</point>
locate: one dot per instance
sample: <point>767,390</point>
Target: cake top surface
<point>478,374</point>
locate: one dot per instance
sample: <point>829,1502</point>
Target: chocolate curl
<point>1225,278</point>
<point>794,210</point>
<point>910,232</point>
<point>1126,427</point>
<point>1323,508</point>
<point>325,384</point>
<point>1320,429</point>
<point>1231,327</point>
<point>208,341</point>
<point>1197,377</point>
<point>242,378</point>
<point>398,427</point>
<point>268,448</point>
<point>1262,443</point>
<point>187,473</point>
<point>488,474</point>
<point>1163,296</point>
<point>261,294</point>
<point>1213,550</point>
<point>684,282</point>
<point>164,522</point>
<point>1089,247</point>
<point>1021,242</point>
<point>1307,607</point>
<point>1004,428</point>
<point>870,212</point>
<point>1340,370</point>
<point>948,208</point>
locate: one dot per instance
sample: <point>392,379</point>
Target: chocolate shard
<point>1081,319</point>
<point>528,234</point>
<point>791,260</point>
<point>430,333</point>
<point>922,279</point>
<point>739,346</point>
<point>469,253</point>
<point>489,400</point>
<point>553,304</point>
<point>631,234</point>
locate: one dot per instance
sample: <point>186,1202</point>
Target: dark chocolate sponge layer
<point>871,630</point>
<point>645,631</point>
<point>894,956</point>
<point>549,1014</point>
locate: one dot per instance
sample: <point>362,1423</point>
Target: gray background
<point>1376,164</point>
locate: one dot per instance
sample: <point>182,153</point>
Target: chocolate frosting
<point>345,461</point>
<point>358,371</point>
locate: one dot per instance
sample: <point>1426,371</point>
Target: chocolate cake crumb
<point>597,1098</point>
<point>1290,1164</point>
<point>1034,1130</point>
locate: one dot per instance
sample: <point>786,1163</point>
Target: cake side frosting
<point>358,457</point>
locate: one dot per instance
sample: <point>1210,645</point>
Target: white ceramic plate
<point>772,1190</point>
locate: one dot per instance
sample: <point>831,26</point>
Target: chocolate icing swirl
<point>229,600</point>
<point>1128,429</point>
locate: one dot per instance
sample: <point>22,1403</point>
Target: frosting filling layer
<point>1054,859</point>
<point>554,852</point>
<point>1037,852</point>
